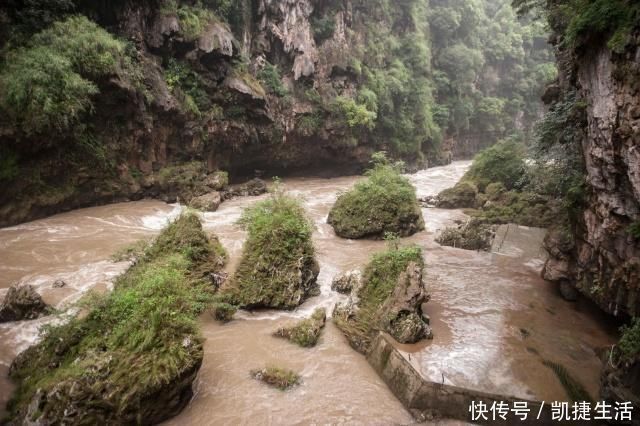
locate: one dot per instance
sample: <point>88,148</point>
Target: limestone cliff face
<point>603,260</point>
<point>245,126</point>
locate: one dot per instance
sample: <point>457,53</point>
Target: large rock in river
<point>22,303</point>
<point>402,312</point>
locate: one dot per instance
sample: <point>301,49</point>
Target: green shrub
<point>323,28</point>
<point>132,343</point>
<point>224,312</point>
<point>634,229</point>
<point>181,78</point>
<point>629,343</point>
<point>193,21</point>
<point>278,268</point>
<point>354,114</point>
<point>48,85</point>
<point>613,18</point>
<point>270,76</point>
<point>502,162</point>
<point>384,202</point>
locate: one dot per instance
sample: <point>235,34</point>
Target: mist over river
<point>493,317</point>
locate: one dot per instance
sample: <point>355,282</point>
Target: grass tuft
<point>280,378</point>
<point>307,332</point>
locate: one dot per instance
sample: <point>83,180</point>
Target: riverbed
<point>493,317</point>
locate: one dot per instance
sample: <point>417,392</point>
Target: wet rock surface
<point>602,259</point>
<point>402,312</point>
<point>347,282</point>
<point>22,303</point>
<point>207,203</point>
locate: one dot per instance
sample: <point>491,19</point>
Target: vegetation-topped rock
<point>383,203</point>
<point>278,268</point>
<point>473,235</point>
<point>137,350</point>
<point>22,303</point>
<point>502,188</point>
<point>307,332</point>
<point>462,195</point>
<point>390,300</point>
<point>277,377</point>
<point>207,202</point>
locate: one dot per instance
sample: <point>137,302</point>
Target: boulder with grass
<point>385,202</point>
<point>278,268</point>
<point>223,312</point>
<point>306,332</point>
<point>281,378</point>
<point>133,355</point>
<point>390,299</point>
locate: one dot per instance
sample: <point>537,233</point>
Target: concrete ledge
<point>426,399</point>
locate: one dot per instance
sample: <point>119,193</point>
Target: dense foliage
<point>384,202</point>
<point>49,84</point>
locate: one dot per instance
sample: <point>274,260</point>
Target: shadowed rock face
<point>602,258</point>
<point>402,312</point>
<point>22,303</point>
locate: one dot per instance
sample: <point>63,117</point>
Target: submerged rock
<point>22,303</point>
<point>58,284</point>
<point>207,203</point>
<point>568,291</point>
<point>347,282</point>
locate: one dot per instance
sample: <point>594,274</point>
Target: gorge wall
<point>598,250</point>
<point>280,86</point>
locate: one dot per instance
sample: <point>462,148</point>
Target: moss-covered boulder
<point>347,282</point>
<point>278,268</point>
<point>306,332</point>
<point>473,235</point>
<point>390,299</point>
<point>461,196</point>
<point>134,355</point>
<point>383,203</point>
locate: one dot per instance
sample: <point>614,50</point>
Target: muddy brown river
<point>494,319</point>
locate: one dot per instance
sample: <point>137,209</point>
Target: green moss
<point>133,342</point>
<point>277,268</point>
<point>193,21</point>
<point>384,202</point>
<point>278,377</point>
<point>634,230</point>
<point>307,332</point>
<point>379,280</point>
